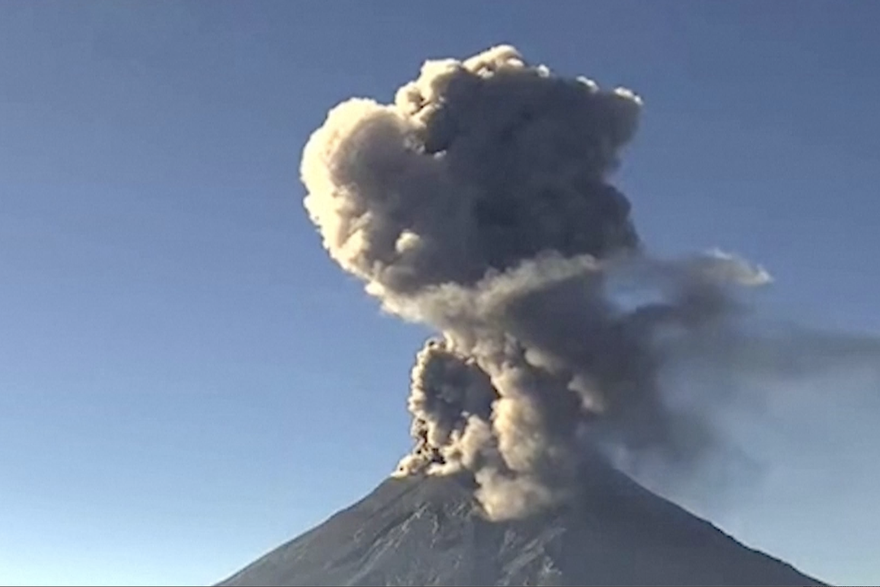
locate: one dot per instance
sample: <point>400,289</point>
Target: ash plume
<point>480,203</point>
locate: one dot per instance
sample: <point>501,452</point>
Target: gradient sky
<point>186,380</point>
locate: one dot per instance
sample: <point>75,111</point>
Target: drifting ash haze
<point>480,203</point>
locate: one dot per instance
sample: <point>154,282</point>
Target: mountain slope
<point>428,531</point>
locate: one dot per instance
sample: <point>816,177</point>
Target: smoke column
<point>480,204</point>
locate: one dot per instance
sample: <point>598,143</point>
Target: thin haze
<point>173,401</point>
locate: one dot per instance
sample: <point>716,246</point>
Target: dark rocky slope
<point>429,531</point>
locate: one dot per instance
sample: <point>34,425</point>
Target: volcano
<point>429,530</point>
<point>479,203</point>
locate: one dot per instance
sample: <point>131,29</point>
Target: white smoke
<point>479,204</point>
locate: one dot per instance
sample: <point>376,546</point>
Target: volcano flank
<point>431,531</point>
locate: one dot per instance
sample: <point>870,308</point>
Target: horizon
<point>172,399</point>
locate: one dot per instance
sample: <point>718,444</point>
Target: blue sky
<point>186,380</point>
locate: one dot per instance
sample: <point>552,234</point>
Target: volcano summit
<point>430,531</point>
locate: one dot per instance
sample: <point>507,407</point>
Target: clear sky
<point>186,379</point>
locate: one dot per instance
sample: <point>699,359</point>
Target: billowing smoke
<point>480,203</point>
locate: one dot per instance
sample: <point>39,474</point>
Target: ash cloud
<point>480,203</point>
